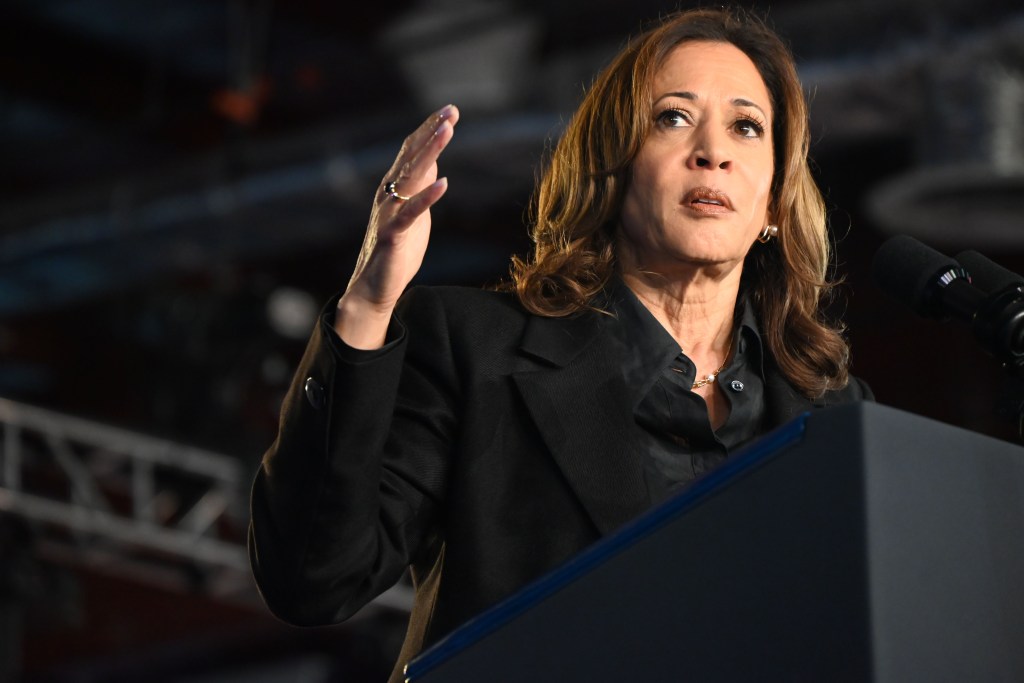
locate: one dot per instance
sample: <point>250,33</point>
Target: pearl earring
<point>768,233</point>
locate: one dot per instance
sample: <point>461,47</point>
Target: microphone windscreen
<point>908,271</point>
<point>986,274</point>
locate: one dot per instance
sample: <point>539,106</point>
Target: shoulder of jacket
<point>856,389</point>
<point>463,312</point>
<point>457,300</point>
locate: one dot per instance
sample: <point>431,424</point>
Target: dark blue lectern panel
<point>859,543</point>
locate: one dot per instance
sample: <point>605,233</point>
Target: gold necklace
<point>711,378</point>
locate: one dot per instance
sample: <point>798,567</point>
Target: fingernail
<point>446,111</point>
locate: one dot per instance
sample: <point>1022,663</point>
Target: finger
<point>420,172</point>
<point>422,135</point>
<point>422,169</point>
<point>424,144</point>
<point>422,201</point>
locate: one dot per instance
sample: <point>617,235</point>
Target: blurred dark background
<point>184,183</point>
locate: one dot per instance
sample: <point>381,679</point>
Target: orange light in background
<point>242,106</point>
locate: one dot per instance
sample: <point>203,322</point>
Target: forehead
<point>710,70</point>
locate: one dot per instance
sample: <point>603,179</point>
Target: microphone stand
<point>998,325</point>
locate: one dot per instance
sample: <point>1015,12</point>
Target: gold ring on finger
<point>391,190</point>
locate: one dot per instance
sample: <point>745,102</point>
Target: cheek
<point>761,186</point>
<point>764,192</point>
<point>636,205</point>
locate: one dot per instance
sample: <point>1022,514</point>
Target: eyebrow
<point>736,101</point>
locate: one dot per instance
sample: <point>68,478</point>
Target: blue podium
<point>859,543</point>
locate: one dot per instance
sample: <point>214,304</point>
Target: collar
<point>648,348</point>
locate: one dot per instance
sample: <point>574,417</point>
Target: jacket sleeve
<point>349,492</point>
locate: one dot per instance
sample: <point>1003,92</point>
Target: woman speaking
<point>670,312</point>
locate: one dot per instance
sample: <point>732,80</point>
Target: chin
<point>709,254</point>
<point>713,261</point>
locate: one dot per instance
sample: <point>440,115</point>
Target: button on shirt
<point>673,425</point>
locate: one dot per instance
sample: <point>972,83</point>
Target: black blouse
<point>672,421</point>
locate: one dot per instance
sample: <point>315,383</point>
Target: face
<point>700,185</point>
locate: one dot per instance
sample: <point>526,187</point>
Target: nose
<point>709,151</point>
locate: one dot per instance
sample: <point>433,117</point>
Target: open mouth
<point>707,199</point>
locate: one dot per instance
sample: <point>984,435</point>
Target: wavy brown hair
<point>575,208</point>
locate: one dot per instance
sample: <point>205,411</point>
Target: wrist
<point>361,324</point>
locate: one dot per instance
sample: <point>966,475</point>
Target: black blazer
<point>483,449</point>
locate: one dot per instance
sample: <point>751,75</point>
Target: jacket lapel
<point>571,382</point>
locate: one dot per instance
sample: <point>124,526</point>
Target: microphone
<point>936,286</point>
<point>987,275</point>
<point>929,282</point>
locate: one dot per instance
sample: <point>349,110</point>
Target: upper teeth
<point>702,200</point>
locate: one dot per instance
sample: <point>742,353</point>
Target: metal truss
<point>130,504</point>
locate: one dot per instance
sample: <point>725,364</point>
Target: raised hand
<point>397,235</point>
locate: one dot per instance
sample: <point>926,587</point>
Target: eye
<point>673,118</point>
<point>749,127</point>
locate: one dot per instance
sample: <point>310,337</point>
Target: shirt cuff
<point>392,340</point>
